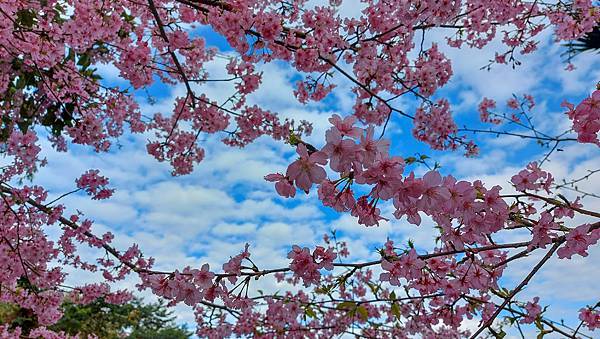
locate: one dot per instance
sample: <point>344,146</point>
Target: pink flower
<point>203,277</point>
<point>346,126</point>
<point>434,125</point>
<point>578,241</point>
<point>484,111</point>
<point>234,265</point>
<point>407,266</point>
<point>542,231</point>
<point>590,317</point>
<point>94,185</point>
<point>341,151</point>
<point>367,212</point>
<point>370,148</point>
<point>586,118</point>
<point>533,311</point>
<point>283,185</point>
<point>532,178</point>
<point>434,193</point>
<point>306,170</point>
<point>330,196</point>
<point>306,266</point>
<point>513,103</point>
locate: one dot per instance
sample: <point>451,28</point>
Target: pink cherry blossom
<point>94,185</point>
<point>341,152</point>
<point>533,311</point>
<point>283,185</point>
<point>50,87</point>
<point>586,118</point>
<point>306,170</point>
<point>590,317</point>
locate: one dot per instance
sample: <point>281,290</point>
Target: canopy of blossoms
<point>50,89</point>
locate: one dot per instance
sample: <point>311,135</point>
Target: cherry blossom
<point>50,88</point>
<point>306,171</point>
<point>586,118</point>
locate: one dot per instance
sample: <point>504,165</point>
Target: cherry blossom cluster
<point>306,265</point>
<point>441,278</point>
<point>407,266</point>
<point>31,278</point>
<point>49,86</point>
<point>519,108</point>
<point>435,126</point>
<point>25,151</point>
<point>532,178</point>
<point>89,293</point>
<point>578,241</point>
<point>149,41</point>
<point>586,118</point>
<point>95,185</point>
<point>590,317</point>
<point>484,111</point>
<point>533,311</point>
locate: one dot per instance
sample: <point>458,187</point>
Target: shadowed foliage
<point>590,42</point>
<point>106,321</point>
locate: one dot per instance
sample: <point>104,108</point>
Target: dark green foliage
<point>590,42</point>
<point>135,320</point>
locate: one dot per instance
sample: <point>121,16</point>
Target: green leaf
<point>503,292</point>
<point>539,325</point>
<point>362,312</point>
<point>310,312</point>
<point>127,17</point>
<point>49,118</point>
<point>6,128</point>
<point>84,60</point>
<point>71,54</point>
<point>23,126</point>
<point>500,335</point>
<point>26,18</point>
<point>325,289</point>
<point>21,83</point>
<point>346,305</point>
<point>396,311</point>
<point>294,140</point>
<point>374,288</point>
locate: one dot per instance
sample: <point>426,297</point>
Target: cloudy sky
<point>209,215</point>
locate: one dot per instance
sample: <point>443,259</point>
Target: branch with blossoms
<point>159,46</point>
<point>521,118</point>
<point>272,36</point>
<point>446,280</point>
<point>49,84</point>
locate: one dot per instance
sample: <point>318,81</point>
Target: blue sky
<point>208,215</point>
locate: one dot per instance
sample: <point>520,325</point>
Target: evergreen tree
<point>135,320</point>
